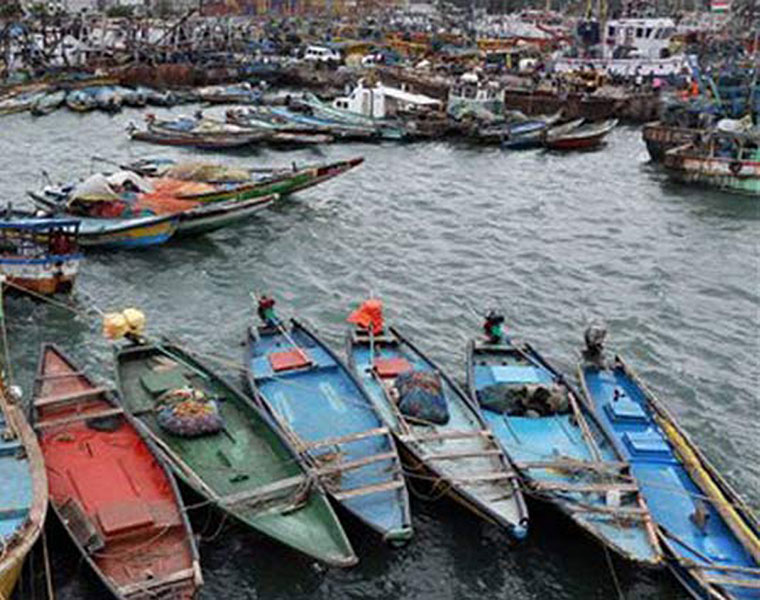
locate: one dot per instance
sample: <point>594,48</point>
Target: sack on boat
<point>188,412</point>
<point>421,396</point>
<point>529,400</point>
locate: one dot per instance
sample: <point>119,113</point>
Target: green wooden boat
<point>247,469</point>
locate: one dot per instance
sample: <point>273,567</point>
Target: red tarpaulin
<point>369,314</point>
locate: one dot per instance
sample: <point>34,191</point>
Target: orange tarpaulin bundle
<point>369,314</point>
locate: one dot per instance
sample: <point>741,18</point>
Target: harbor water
<point>441,232</point>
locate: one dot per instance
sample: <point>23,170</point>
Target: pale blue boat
<point>23,491</point>
<point>711,536</point>
<point>327,416</point>
<point>460,457</point>
<point>559,448</point>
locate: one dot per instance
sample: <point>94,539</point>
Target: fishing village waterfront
<point>419,450</point>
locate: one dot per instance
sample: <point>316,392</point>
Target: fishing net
<point>421,396</point>
<point>207,172</point>
<point>188,412</point>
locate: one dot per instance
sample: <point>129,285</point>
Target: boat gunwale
<point>133,351</point>
<point>406,531</point>
<point>554,498</point>
<point>113,398</point>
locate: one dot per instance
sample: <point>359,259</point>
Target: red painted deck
<point>120,486</point>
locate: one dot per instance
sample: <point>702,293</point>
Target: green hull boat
<point>246,469</point>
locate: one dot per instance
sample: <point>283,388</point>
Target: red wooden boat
<point>110,490</point>
<point>582,138</point>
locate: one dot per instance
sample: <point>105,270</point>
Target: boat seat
<point>388,368</point>
<point>288,360</point>
<point>648,442</point>
<point>626,410</point>
<point>158,382</point>
<point>118,518</point>
<point>9,448</point>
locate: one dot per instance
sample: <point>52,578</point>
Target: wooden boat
<point>280,131</point>
<point>202,141</point>
<point>338,130</point>
<point>710,534</point>
<point>23,491</point>
<point>729,162</point>
<point>385,129</point>
<point>41,256</point>
<point>328,417</point>
<point>81,100</point>
<point>211,217</point>
<point>248,469</point>
<point>110,489</point>
<point>241,93</point>
<point>262,182</point>
<point>587,136</point>
<point>660,137</point>
<point>462,456</point>
<point>44,105</point>
<point>104,233</point>
<point>563,455</point>
<point>20,102</point>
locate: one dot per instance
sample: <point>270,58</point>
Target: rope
<point>611,567</point>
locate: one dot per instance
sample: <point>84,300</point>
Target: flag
<point>719,6</point>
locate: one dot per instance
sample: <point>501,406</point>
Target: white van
<point>321,54</point>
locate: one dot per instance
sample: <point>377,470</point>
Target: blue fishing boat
<point>556,443</point>
<point>23,490</point>
<point>711,536</point>
<point>328,417</point>
<point>440,432</point>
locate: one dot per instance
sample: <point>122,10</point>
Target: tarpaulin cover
<point>369,314</point>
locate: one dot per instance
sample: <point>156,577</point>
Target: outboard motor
<point>594,336</point>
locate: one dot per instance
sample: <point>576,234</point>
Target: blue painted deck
<point>552,438</point>
<point>501,499</point>
<point>665,483</point>
<point>323,401</point>
<point>16,491</point>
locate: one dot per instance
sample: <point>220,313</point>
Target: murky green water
<point>440,231</point>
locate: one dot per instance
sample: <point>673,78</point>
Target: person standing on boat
<point>266,311</point>
<point>493,327</point>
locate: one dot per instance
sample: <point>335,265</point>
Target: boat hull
<point>219,215</point>
<point>660,138</point>
<point>563,456</point>
<point>334,422</point>
<point>45,276</point>
<point>710,534</point>
<point>249,471</point>
<point>127,233</point>
<point>725,174</point>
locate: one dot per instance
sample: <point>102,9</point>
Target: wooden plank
<point>356,464</point>
<point>262,492</point>
<point>445,435</point>
<point>369,489</point>
<point>346,439</point>
<point>714,567</point>
<point>464,454</point>
<point>753,584</point>
<point>562,486</point>
<point>151,584</point>
<point>571,464</point>
<point>71,397</point>
<point>59,376</point>
<point>620,510</point>
<point>83,416</point>
<point>483,477</point>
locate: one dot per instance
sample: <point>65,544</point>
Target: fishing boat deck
<point>15,499</point>
<point>316,398</point>
<point>245,468</point>
<point>462,451</point>
<point>558,460</point>
<point>673,497</point>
